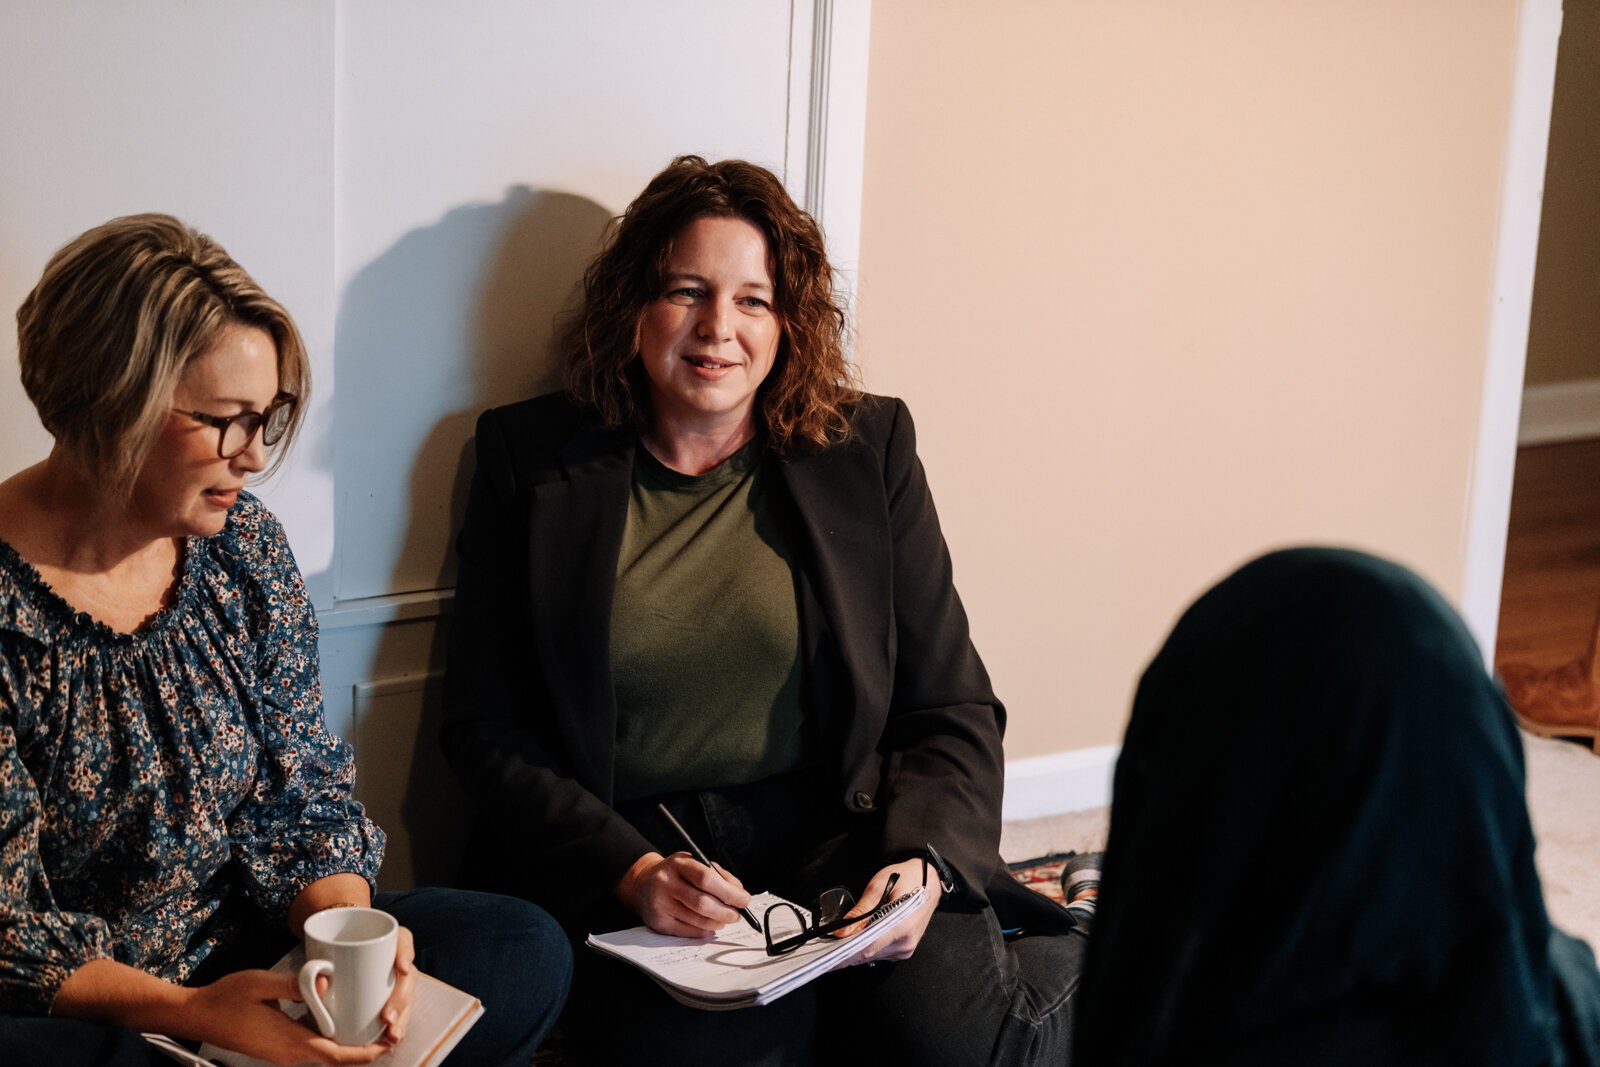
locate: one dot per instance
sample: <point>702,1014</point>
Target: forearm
<point>238,1011</point>
<point>111,993</point>
<point>334,891</point>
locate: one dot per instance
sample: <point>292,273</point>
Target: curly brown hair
<point>803,400</point>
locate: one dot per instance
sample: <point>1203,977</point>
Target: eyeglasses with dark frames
<point>788,926</point>
<point>235,432</point>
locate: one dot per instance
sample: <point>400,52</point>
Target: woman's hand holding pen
<point>681,896</point>
<point>902,941</point>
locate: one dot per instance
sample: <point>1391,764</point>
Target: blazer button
<point>864,801</point>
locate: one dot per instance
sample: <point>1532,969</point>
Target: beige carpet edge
<point>1563,800</point>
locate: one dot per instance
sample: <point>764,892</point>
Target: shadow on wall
<point>454,318</point>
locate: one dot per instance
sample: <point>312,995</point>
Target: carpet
<point>1043,874</point>
<point>1563,800</point>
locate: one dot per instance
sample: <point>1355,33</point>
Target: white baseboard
<point>1059,783</point>
<point>1560,411</point>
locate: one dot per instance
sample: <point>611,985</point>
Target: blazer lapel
<point>575,534</point>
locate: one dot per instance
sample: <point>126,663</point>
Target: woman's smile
<point>709,340</point>
<point>711,366</point>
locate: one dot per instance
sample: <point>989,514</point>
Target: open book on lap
<point>731,969</point>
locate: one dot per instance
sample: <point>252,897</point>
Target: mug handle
<point>309,974</point>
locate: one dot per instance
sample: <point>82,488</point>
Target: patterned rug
<point>1042,875</point>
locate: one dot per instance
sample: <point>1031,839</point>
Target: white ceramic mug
<point>355,948</point>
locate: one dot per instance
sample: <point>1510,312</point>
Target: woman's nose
<point>713,324</point>
<point>254,456</point>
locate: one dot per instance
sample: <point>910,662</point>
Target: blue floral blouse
<point>160,789</point>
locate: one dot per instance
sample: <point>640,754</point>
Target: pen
<point>701,856</point>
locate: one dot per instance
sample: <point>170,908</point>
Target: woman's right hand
<point>240,1012</point>
<point>681,896</point>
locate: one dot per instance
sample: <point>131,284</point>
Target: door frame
<point>1516,253</point>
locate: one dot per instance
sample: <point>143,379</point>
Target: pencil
<point>695,850</point>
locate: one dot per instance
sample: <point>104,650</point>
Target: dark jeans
<point>967,996</point>
<point>506,952</point>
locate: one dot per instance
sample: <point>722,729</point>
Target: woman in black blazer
<point>709,574</point>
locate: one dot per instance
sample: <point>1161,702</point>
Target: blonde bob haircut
<point>116,317</point>
<point>805,400</point>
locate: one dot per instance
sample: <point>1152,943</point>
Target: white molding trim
<point>1560,411</point>
<point>362,694</point>
<point>1516,252</point>
<point>382,610</point>
<point>798,121</point>
<point>827,124</point>
<point>1060,782</point>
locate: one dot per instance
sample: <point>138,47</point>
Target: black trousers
<point>969,995</point>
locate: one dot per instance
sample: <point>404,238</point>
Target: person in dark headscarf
<point>1320,850</point>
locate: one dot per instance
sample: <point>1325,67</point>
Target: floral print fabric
<point>160,789</point>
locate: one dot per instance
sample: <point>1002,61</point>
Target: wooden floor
<point>1551,594</point>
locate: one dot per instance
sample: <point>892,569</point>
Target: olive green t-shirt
<point>705,631</point>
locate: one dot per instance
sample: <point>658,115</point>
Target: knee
<point>508,953</point>
<point>528,975</point>
<point>530,933</point>
<point>522,940</point>
<point>501,949</point>
<point>539,972</point>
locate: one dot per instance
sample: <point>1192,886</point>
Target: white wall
<point>421,184</point>
<point>481,150</point>
<point>219,113</point>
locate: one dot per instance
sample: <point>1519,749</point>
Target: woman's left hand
<point>902,941</point>
<point>351,890</point>
<point>397,1010</point>
<point>396,1013</point>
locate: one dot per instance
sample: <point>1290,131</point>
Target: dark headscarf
<point>1320,849</point>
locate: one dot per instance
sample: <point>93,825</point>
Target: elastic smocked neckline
<point>50,607</point>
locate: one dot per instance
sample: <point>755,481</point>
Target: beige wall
<point>1564,342</point>
<point>1170,283</point>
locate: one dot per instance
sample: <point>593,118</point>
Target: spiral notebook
<point>731,969</point>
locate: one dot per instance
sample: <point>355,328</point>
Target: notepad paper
<point>731,969</point>
<point>441,1015</point>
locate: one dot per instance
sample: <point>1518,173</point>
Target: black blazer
<point>909,726</point>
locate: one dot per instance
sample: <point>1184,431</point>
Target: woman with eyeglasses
<point>709,575</point>
<point>172,807</point>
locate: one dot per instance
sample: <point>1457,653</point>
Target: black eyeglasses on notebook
<point>788,926</point>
